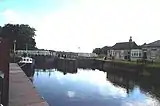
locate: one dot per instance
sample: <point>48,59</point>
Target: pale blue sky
<point>31,7</point>
<point>85,23</point>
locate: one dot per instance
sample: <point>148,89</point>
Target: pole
<point>14,46</point>
<point>26,49</point>
<point>14,50</point>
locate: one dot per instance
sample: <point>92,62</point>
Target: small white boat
<point>26,62</point>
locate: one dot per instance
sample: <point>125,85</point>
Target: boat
<point>27,65</point>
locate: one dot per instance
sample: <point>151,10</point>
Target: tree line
<point>102,50</point>
<point>23,35</point>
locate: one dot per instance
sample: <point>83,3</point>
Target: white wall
<point>87,54</point>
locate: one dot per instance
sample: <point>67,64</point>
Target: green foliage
<point>23,34</point>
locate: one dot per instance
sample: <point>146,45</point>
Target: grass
<point>120,61</point>
<point>126,62</point>
<point>154,65</point>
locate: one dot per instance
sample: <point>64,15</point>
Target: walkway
<point>21,90</point>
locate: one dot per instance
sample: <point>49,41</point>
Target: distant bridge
<point>36,52</point>
<point>54,53</point>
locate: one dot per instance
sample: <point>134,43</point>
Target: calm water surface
<point>88,88</point>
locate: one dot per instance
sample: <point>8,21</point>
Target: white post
<point>14,50</point>
<point>14,46</point>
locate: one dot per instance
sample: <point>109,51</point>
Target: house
<point>125,50</point>
<point>152,50</point>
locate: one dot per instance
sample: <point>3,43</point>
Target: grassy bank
<point>154,65</point>
<point>151,65</point>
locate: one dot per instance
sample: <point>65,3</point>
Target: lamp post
<point>14,49</point>
<point>14,46</point>
<point>26,49</point>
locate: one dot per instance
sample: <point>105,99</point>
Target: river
<point>93,87</point>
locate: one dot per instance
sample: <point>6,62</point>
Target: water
<point>90,87</point>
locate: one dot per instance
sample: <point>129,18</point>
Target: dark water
<point>90,87</point>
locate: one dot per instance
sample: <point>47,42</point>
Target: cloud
<point>11,16</point>
<point>93,23</point>
<point>15,17</point>
<point>71,94</point>
<point>97,23</point>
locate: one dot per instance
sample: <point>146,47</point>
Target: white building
<point>87,55</point>
<point>125,51</point>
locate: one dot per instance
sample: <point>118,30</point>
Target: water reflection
<point>67,85</point>
<point>87,87</point>
<point>123,80</point>
<point>29,71</point>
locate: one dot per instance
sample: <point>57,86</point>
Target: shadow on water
<point>86,80</point>
<point>29,71</point>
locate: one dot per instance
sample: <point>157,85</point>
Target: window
<point>139,54</point>
<point>132,54</point>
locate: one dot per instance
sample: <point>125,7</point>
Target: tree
<point>103,50</point>
<point>97,51</point>
<point>23,34</point>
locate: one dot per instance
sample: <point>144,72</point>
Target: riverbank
<point>151,65</point>
<point>150,69</point>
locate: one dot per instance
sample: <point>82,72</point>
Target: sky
<point>82,25</point>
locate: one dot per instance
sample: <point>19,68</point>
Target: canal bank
<point>21,90</point>
<point>140,69</point>
<point>106,65</point>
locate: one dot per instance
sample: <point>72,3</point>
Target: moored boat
<point>27,65</point>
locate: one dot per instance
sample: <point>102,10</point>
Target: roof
<point>153,44</point>
<point>125,46</point>
<point>106,47</point>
